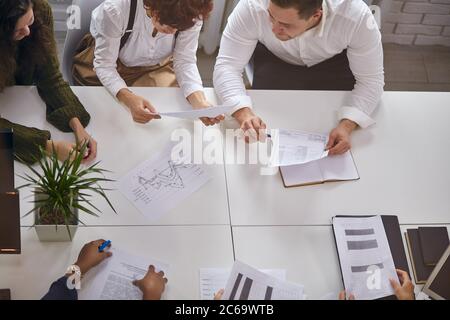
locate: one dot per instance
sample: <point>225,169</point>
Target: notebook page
<point>338,168</point>
<point>301,174</point>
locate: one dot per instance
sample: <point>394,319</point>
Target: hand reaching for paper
<point>339,141</point>
<point>152,285</point>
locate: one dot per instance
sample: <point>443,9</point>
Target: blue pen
<point>104,245</point>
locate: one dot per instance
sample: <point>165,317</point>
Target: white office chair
<point>74,36</point>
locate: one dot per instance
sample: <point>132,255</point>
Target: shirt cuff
<point>240,102</point>
<point>117,86</point>
<point>357,116</point>
<point>190,89</point>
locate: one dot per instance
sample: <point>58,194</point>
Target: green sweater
<point>62,104</point>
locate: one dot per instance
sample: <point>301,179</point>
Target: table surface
<point>402,162</point>
<point>241,214</point>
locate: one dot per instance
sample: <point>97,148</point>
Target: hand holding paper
<point>211,112</point>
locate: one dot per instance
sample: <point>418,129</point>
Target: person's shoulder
<point>254,10</point>
<point>116,7</point>
<point>257,6</point>
<point>350,10</point>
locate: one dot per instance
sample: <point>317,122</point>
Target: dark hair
<point>34,48</point>
<point>305,8</point>
<point>180,14</point>
<point>10,12</point>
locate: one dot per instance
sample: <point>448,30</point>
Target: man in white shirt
<point>304,33</point>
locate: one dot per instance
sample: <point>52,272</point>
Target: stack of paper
<point>365,257</point>
<point>247,283</point>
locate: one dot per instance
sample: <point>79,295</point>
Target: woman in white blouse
<point>160,50</point>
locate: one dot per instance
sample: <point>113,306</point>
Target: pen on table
<point>102,247</point>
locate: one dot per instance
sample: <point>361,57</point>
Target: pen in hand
<point>105,244</point>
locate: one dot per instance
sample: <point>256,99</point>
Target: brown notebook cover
<point>9,223</point>
<point>5,294</point>
<point>6,161</point>
<point>420,269</point>
<point>433,242</point>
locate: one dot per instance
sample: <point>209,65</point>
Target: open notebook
<point>329,169</point>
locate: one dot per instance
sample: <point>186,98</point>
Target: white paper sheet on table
<point>247,283</point>
<point>211,112</point>
<point>365,257</point>
<point>214,279</point>
<point>293,147</point>
<point>112,279</point>
<point>160,184</point>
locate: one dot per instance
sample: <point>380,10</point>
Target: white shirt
<point>109,23</point>
<point>346,24</point>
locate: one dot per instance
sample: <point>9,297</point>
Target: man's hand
<point>405,289</point>
<point>219,294</point>
<point>152,285</point>
<point>83,137</point>
<point>343,296</point>
<point>141,110</point>
<point>339,140</point>
<point>198,101</point>
<point>89,256</point>
<point>252,125</point>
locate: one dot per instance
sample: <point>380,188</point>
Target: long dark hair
<point>32,49</point>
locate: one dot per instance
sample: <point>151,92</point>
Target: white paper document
<point>247,283</point>
<point>365,257</point>
<point>211,112</point>
<point>293,147</point>
<point>113,279</point>
<point>212,280</point>
<point>160,184</point>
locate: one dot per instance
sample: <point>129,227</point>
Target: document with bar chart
<point>365,257</point>
<point>247,283</point>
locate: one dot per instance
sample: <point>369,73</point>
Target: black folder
<point>394,237</point>
<point>6,161</point>
<point>10,223</point>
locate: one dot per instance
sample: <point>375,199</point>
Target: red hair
<point>179,14</point>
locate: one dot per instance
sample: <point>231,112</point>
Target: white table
<point>122,145</point>
<point>185,249</point>
<point>403,162</point>
<point>308,253</point>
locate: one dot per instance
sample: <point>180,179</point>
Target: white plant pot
<point>58,233</point>
<point>55,233</point>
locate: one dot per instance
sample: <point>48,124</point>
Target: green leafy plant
<point>64,187</point>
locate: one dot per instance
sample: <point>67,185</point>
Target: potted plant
<point>61,192</point>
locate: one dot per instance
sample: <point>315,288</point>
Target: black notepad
<point>9,223</point>
<point>420,269</point>
<point>433,242</point>
<point>6,161</point>
<point>438,284</point>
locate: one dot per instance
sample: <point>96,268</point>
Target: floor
<point>407,68</point>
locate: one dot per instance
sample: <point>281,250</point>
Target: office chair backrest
<point>84,9</point>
